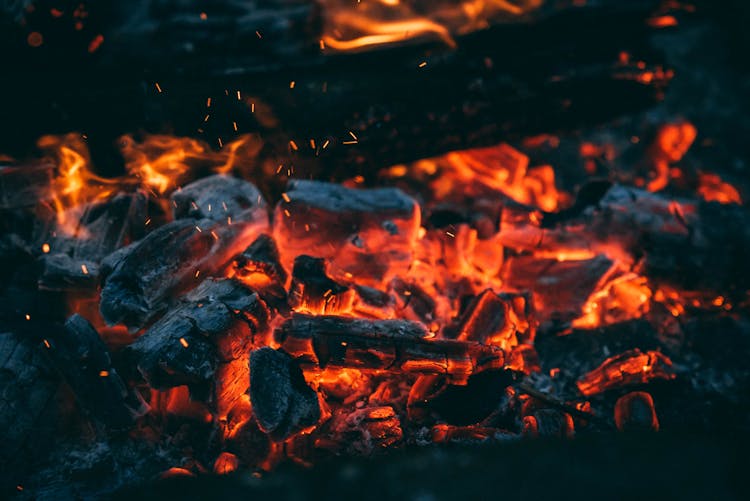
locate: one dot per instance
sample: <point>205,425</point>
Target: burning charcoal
<point>61,272</point>
<point>560,288</point>
<point>635,412</point>
<point>392,345</point>
<point>487,321</point>
<point>282,401</point>
<point>313,291</point>
<point>445,433</point>
<point>212,326</point>
<point>366,430</point>
<point>629,368</point>
<point>373,302</point>
<point>82,358</point>
<point>141,277</point>
<point>368,233</point>
<point>259,267</point>
<point>226,463</point>
<point>548,423</point>
<point>413,302</point>
<point>217,198</point>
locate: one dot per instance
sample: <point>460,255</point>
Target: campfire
<point>235,302</point>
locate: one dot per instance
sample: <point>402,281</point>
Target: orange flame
<point>356,26</point>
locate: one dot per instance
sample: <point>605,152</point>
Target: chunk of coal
<point>635,412</point>
<point>488,320</point>
<point>214,324</point>
<point>548,423</point>
<point>140,279</point>
<point>368,233</point>
<point>219,197</point>
<point>388,345</point>
<point>365,431</point>
<point>629,368</point>
<point>282,401</point>
<point>445,433</point>
<point>560,288</point>
<point>61,272</point>
<point>260,268</point>
<point>413,302</point>
<point>373,303</point>
<point>81,356</point>
<point>313,291</point>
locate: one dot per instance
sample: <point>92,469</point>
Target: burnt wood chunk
<point>211,326</point>
<point>488,321</point>
<point>365,431</point>
<point>282,401</point>
<point>141,278</point>
<point>367,233</point>
<point>630,368</point>
<point>390,345</point>
<point>548,423</point>
<point>313,291</point>
<point>260,268</point>
<point>560,288</point>
<point>635,412</point>
<point>219,197</point>
<point>60,272</point>
<point>83,359</point>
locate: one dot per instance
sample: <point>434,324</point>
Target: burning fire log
<point>259,268</point>
<point>368,233</point>
<point>137,286</point>
<point>282,401</point>
<point>629,368</point>
<point>391,345</point>
<point>315,292</point>
<point>213,326</point>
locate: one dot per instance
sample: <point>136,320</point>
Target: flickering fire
<point>357,26</point>
<point>365,306</point>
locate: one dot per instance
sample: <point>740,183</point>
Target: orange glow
<point>356,26</point>
<point>713,189</point>
<point>624,298</point>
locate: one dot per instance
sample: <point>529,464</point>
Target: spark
<point>84,269</point>
<point>45,248</point>
<point>158,87</point>
<point>103,373</point>
<point>184,342</point>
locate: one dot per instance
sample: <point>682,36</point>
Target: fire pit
<point>263,248</point>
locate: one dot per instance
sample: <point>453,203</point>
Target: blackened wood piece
<point>27,391</point>
<point>219,197</point>
<point>141,277</point>
<point>282,401</point>
<point>364,232</point>
<point>548,423</point>
<point>391,345</point>
<point>184,347</point>
<point>60,272</point>
<point>635,412</point>
<point>259,267</point>
<point>487,320</point>
<point>626,369</point>
<point>80,355</point>
<point>364,431</point>
<point>560,288</point>
<point>314,291</point>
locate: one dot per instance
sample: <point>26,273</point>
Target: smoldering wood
<point>560,288</point>
<point>259,266</point>
<point>80,355</point>
<point>676,239</point>
<point>412,301</point>
<point>219,197</point>
<point>140,279</point>
<point>282,401</point>
<point>367,232</point>
<point>486,319</point>
<point>371,302</point>
<point>314,291</point>
<point>444,433</point>
<point>548,423</point>
<point>635,412</point>
<point>212,325</point>
<point>391,345</point>
<point>60,272</point>
<point>632,367</point>
<point>363,431</point>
